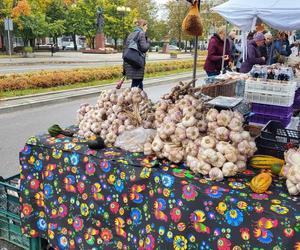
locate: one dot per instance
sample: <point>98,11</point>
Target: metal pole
<point>196,53</point>
<point>9,46</point>
<point>224,49</point>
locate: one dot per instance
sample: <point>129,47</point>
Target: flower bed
<point>46,79</point>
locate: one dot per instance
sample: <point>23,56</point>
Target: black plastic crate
<point>10,221</point>
<point>275,139</point>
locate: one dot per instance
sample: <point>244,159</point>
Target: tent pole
<point>196,52</point>
<point>224,49</point>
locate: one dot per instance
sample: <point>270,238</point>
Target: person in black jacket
<point>137,75</point>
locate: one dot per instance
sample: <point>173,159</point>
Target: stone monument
<point>100,38</point>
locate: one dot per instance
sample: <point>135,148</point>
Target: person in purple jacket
<point>253,53</point>
<point>213,63</point>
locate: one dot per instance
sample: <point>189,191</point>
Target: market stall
<point>79,198</point>
<point>184,186</point>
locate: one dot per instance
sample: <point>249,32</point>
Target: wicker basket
<point>222,88</point>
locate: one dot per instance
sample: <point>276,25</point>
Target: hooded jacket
<point>253,57</point>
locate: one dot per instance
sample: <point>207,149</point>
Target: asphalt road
<point>17,127</point>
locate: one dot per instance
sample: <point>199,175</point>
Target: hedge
<point>46,79</point>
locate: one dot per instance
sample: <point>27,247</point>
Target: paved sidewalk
<point>25,102</point>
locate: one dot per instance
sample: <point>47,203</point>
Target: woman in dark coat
<point>213,63</point>
<point>253,53</point>
<point>137,75</point>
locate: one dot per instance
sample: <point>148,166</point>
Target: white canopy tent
<point>279,14</point>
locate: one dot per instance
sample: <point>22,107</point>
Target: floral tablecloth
<point>79,198</point>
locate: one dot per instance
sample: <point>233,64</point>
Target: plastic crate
<point>264,119</point>
<point>275,139</point>
<point>10,222</point>
<point>265,109</point>
<point>270,92</point>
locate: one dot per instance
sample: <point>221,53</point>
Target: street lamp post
<point>123,10</point>
<point>196,52</point>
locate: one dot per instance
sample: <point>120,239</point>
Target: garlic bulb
<point>241,165</point>
<point>202,126</point>
<point>294,189</point>
<point>212,115</point>
<point>191,149</point>
<point>204,168</point>
<point>229,169</point>
<point>157,144</point>
<point>235,137</point>
<point>189,111</point>
<point>220,160</point>
<point>212,126</point>
<point>231,154</point>
<point>216,174</point>
<point>210,156</point>
<point>223,119</point>
<point>221,146</point>
<point>208,142</point>
<point>180,132</point>
<point>222,134</point>
<point>169,128</point>
<point>189,121</point>
<point>192,133</point>
<point>235,125</point>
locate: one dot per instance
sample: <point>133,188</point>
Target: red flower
<point>289,232</point>
<point>106,235</point>
<point>34,184</point>
<point>114,207</point>
<point>175,214</point>
<point>27,209</point>
<point>224,244</point>
<point>80,187</point>
<point>245,233</point>
<point>259,209</point>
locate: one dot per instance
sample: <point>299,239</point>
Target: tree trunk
<point>93,42</point>
<point>185,47</point>
<point>32,43</point>
<point>116,43</point>
<point>74,41</point>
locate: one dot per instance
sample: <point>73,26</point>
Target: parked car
<point>155,48</point>
<point>47,47</point>
<point>173,47</point>
<point>71,47</point>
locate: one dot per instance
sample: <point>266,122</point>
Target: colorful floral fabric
<point>78,198</point>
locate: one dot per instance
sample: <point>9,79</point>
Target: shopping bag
<point>192,22</point>
<point>132,54</point>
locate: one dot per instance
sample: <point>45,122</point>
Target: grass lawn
<point>5,56</point>
<point>24,92</point>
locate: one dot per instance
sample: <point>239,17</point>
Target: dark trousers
<point>209,74</point>
<point>137,83</point>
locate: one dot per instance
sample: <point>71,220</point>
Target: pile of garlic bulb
<point>210,142</point>
<point>291,171</point>
<point>115,113</point>
<point>224,151</point>
<point>178,128</point>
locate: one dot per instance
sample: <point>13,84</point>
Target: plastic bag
<point>134,140</point>
<point>191,24</point>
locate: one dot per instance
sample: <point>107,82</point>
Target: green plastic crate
<point>10,222</point>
